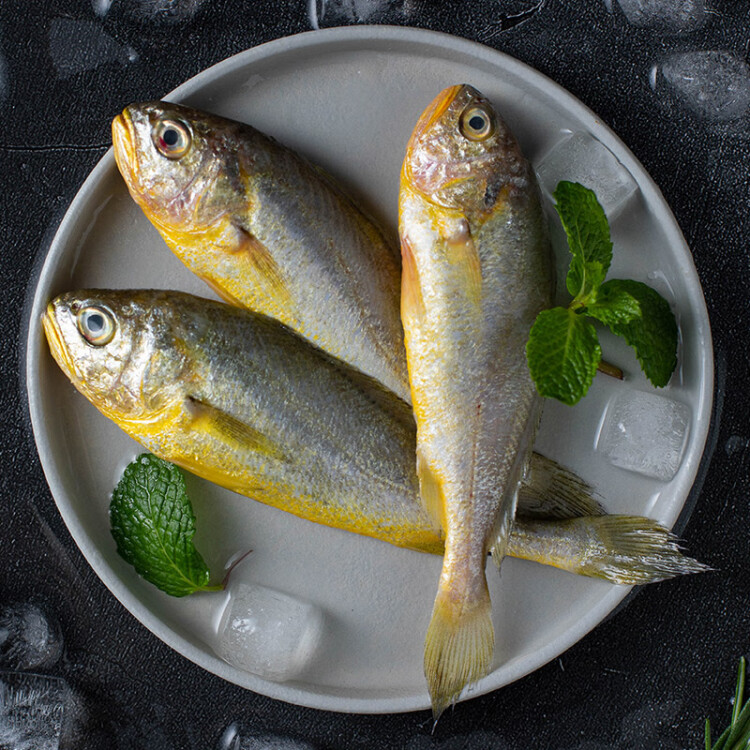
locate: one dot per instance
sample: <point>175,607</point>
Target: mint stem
<point>607,369</point>
<point>225,582</point>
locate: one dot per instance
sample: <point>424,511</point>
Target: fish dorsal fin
<point>462,251</point>
<point>431,493</point>
<point>214,421</point>
<point>553,491</point>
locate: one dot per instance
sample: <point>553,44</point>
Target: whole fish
<point>477,269</point>
<point>243,402</point>
<point>267,231</point>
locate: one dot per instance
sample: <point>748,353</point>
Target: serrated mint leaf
<point>563,352</point>
<point>586,226</point>
<point>153,524</point>
<point>614,305</point>
<point>653,335</point>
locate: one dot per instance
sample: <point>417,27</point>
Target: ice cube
<point>268,633</point>
<point>76,46</point>
<point>29,639</point>
<point>582,158</point>
<point>324,13</point>
<point>35,712</point>
<point>171,11</point>
<point>713,84</point>
<point>672,16</point>
<point>238,738</point>
<point>645,433</point>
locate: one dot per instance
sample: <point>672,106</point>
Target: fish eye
<point>477,123</point>
<point>172,138</point>
<point>96,324</point>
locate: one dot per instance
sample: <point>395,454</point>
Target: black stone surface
<point>644,679</point>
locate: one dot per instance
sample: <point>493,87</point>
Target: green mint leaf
<point>563,352</point>
<point>614,305</point>
<point>586,226</point>
<point>153,524</point>
<point>653,335</point>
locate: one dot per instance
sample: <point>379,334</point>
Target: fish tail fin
<point>638,550</point>
<point>459,646</point>
<point>629,550</point>
<point>550,490</point>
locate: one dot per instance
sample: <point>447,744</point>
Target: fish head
<point>462,155</point>
<point>118,351</point>
<point>180,165</point>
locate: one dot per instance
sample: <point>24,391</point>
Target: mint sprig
<point>563,350</point>
<point>153,524</point>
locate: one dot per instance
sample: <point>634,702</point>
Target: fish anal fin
<point>431,492</point>
<point>459,646</point>
<point>214,421</point>
<point>412,302</point>
<point>504,522</point>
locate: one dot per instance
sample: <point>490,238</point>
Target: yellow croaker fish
<point>477,268</point>
<point>239,400</point>
<point>267,231</point>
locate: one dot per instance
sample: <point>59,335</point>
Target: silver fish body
<point>203,385</point>
<point>477,269</point>
<point>267,231</point>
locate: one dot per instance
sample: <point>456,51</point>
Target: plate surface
<point>348,99</point>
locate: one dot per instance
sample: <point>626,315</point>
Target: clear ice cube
<point>713,84</point>
<point>268,633</point>
<point>324,13</point>
<point>672,16</point>
<point>582,158</point>
<point>35,711</point>
<point>29,639</point>
<point>645,433</point>
<point>239,738</point>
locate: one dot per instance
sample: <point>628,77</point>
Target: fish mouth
<point>434,111</point>
<point>123,140</point>
<point>55,341</point>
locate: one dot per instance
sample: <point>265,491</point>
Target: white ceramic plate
<point>348,99</point>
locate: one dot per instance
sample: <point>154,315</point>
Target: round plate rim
<point>328,38</point>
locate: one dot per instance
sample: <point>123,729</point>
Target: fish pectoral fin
<point>412,302</point>
<point>215,421</point>
<point>431,493</point>
<point>459,646</point>
<point>265,269</point>
<point>463,252</point>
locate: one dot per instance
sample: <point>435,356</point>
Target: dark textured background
<point>644,679</point>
